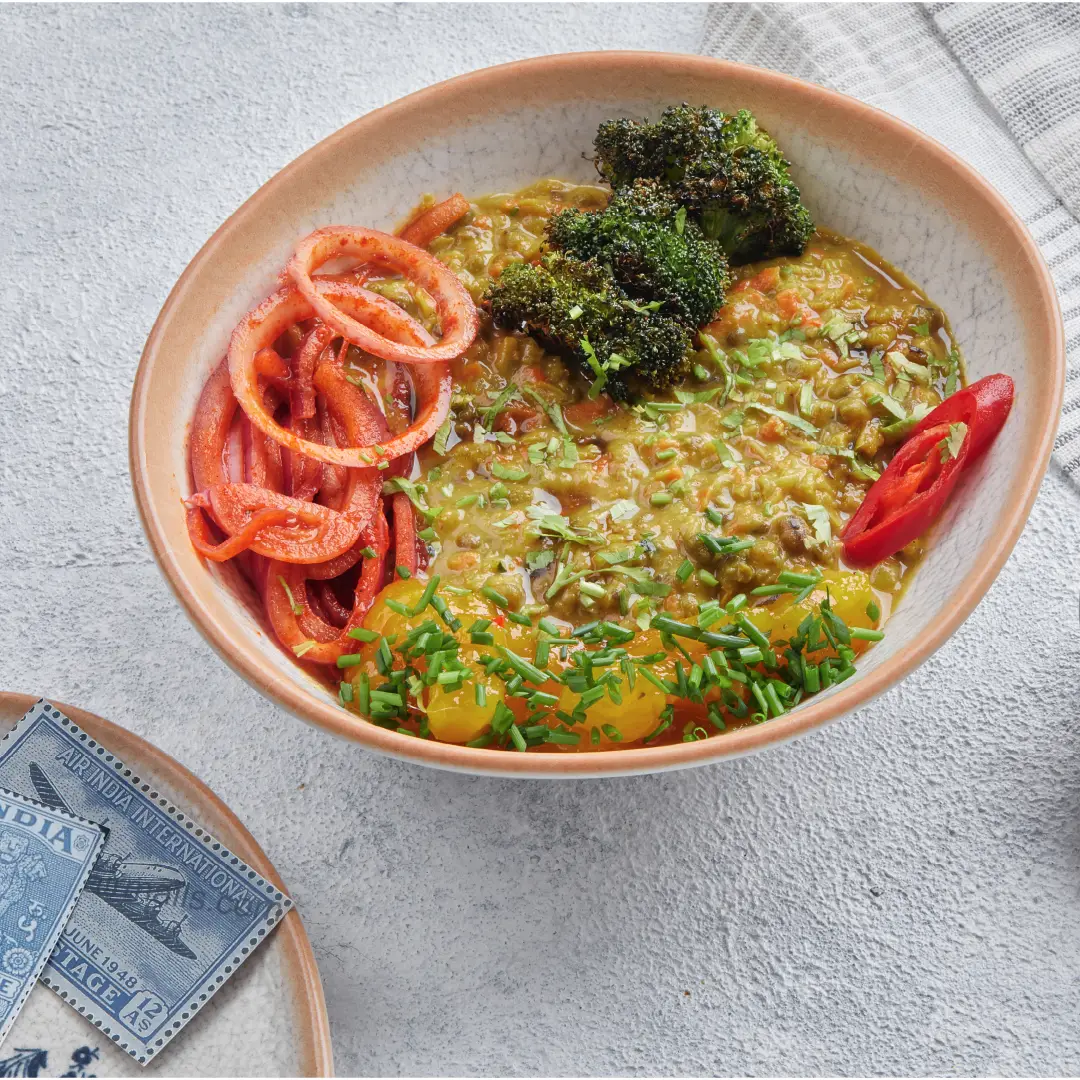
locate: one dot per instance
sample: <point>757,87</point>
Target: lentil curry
<point>588,466</point>
<point>719,502</point>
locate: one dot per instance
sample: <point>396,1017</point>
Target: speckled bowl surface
<point>862,173</point>
<point>269,1019</point>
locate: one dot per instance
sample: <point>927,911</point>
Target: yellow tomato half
<point>850,592</point>
<point>453,714</point>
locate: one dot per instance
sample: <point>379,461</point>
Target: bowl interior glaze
<point>863,173</point>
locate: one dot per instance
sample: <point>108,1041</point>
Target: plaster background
<point>899,893</point>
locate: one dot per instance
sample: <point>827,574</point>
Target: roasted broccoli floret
<point>725,169</point>
<point>576,310</point>
<point>651,248</point>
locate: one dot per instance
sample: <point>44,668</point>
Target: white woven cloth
<point>999,84</point>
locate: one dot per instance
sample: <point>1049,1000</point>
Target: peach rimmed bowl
<point>862,173</point>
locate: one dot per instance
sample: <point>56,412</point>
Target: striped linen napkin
<point>999,84</point>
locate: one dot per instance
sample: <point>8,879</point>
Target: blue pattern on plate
<point>167,914</point>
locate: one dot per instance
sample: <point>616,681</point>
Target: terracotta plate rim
<point>318,1057</point>
<point>746,740</point>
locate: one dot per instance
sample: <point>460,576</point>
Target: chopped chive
<point>519,618</point>
<point>715,718</point>
<point>349,660</point>
<point>404,572</point>
<point>661,498</point>
<point>467,500</point>
<point>480,694</point>
<point>296,608</point>
<point>658,730</point>
<point>384,659</point>
<point>675,628</point>
<point>482,740</point>
<point>369,552</point>
<point>771,590</point>
<point>386,698</point>
<point>517,737</point>
<point>707,579</point>
<point>659,683</point>
<point>345,692</point>
<point>751,654</point>
<point>594,737</point>
<point>592,696</point>
<point>359,633</point>
<point>612,732</point>
<point>685,570</point>
<point>363,694</point>
<point>775,706</point>
<point>566,738</point>
<point>858,634</point>
<point>873,612</point>
<point>496,598</point>
<point>751,631</point>
<point>665,455</point>
<point>525,669</point>
<point>479,637</point>
<point>788,577</point>
<point>428,534</point>
<point>549,627</point>
<point>759,696</point>
<point>724,545</point>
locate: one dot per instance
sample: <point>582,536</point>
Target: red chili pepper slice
<point>913,490</point>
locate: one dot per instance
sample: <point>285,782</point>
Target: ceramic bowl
<point>862,173</point>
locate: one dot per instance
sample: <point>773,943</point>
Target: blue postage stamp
<point>167,913</point>
<point>46,855</point>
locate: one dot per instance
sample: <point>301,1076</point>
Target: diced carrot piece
<point>463,560</point>
<point>767,279</point>
<point>670,474</point>
<point>795,309</point>
<point>585,412</point>
<point>772,430</point>
<point>529,373</point>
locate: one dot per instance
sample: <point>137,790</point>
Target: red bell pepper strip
<point>427,226</point>
<point>405,548</point>
<point>313,534</point>
<point>913,490</point>
<point>304,363</point>
<point>241,541</point>
<point>313,639</point>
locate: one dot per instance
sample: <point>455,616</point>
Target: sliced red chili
<point>913,490</point>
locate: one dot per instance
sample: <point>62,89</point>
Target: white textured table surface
<point>898,893</point>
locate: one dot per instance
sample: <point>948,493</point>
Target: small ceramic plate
<point>269,1019</point>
